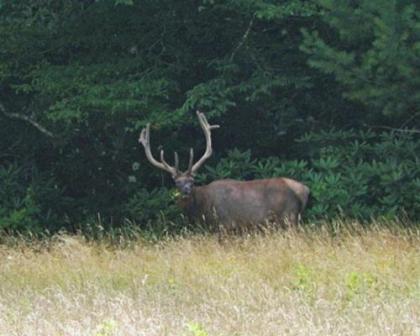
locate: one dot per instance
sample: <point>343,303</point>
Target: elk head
<point>184,181</point>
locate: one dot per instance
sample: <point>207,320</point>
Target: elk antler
<point>144,139</point>
<point>207,133</point>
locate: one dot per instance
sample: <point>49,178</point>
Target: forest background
<point>326,92</point>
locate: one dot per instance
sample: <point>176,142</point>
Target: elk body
<point>231,204</point>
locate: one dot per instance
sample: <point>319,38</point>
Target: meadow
<point>340,279</point>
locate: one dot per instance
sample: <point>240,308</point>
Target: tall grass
<point>335,280</point>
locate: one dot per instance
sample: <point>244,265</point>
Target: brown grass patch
<point>356,282</point>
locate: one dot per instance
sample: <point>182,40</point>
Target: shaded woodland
<point>326,92</point>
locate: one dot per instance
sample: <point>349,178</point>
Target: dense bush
<point>351,174</point>
<point>28,200</point>
<point>364,175</point>
<point>80,79</point>
<point>155,205</point>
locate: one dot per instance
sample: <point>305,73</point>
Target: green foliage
<point>107,328</point>
<point>196,329</point>
<point>80,79</point>
<point>372,49</point>
<point>304,279</point>
<point>145,206</point>
<point>27,200</point>
<point>358,283</point>
<point>365,178</point>
<point>236,164</point>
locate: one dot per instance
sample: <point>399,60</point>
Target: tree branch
<point>243,39</point>
<point>414,116</point>
<point>27,119</point>
<point>400,130</point>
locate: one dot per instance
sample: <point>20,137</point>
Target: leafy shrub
<point>27,200</point>
<point>236,164</point>
<point>158,204</point>
<point>364,176</point>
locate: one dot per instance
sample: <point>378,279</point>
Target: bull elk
<point>231,204</point>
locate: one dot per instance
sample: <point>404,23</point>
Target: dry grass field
<point>352,282</point>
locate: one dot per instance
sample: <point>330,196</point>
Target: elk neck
<point>193,203</point>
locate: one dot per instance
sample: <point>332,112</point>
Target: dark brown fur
<point>236,205</point>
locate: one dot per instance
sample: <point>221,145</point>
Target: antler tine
<point>176,161</point>
<point>144,135</point>
<point>144,139</point>
<point>207,133</point>
<point>190,164</point>
<point>166,164</point>
<point>203,121</point>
